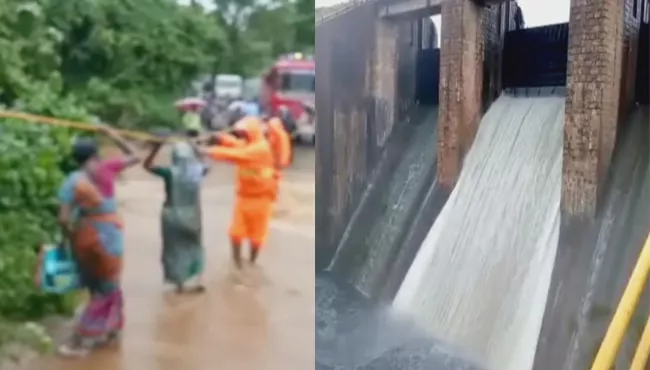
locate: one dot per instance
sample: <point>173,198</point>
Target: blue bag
<point>58,271</point>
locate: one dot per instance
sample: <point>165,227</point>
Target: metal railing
<point>606,356</point>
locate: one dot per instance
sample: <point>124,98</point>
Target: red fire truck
<point>290,89</point>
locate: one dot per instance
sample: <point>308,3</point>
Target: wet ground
<point>263,320</point>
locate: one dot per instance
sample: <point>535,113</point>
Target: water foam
<point>481,277</point>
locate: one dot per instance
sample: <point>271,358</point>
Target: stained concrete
<point>595,258</point>
<point>427,212</point>
<point>376,234</point>
<point>263,320</point>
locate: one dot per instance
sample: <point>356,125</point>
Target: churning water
<point>481,277</point>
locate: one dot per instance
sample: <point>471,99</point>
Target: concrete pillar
<point>461,80</point>
<point>384,77</point>
<point>494,17</point>
<point>595,68</point>
<point>592,103</point>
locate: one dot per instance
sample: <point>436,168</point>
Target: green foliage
<point>30,174</point>
<point>128,60</point>
<point>33,162</point>
<point>259,31</point>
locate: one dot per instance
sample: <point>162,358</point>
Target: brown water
<point>261,320</point>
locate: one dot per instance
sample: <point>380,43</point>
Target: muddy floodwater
<point>262,319</point>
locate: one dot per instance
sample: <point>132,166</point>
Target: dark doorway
<point>427,63</point>
<point>428,76</point>
<point>536,57</point>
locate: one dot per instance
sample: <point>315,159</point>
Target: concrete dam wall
<point>595,259</point>
<point>387,211</point>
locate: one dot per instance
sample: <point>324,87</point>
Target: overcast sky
<point>536,12</point>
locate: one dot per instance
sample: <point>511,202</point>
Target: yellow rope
<point>80,125</point>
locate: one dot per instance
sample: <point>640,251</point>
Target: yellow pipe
<point>642,353</point>
<point>620,322</point>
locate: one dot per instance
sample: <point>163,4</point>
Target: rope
<point>137,135</point>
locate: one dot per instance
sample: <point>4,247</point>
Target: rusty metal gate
<point>428,76</point>
<point>536,57</point>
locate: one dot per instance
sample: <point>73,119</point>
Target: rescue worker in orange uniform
<point>249,150</point>
<point>281,146</point>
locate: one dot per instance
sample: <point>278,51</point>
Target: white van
<point>252,88</point>
<point>229,86</point>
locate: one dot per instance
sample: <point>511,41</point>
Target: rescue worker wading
<point>248,149</point>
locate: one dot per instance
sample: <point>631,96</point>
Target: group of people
<point>260,149</point>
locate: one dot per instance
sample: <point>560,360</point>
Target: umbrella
<point>190,103</point>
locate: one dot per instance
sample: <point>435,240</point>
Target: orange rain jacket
<point>253,157</point>
<point>256,180</point>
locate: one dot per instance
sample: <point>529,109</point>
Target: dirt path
<point>266,322</point>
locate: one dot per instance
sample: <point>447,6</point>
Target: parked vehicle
<point>228,87</point>
<point>290,85</point>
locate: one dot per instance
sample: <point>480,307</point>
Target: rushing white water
<point>480,279</point>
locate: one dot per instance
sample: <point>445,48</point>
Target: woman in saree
<point>182,252</point>
<point>94,235</point>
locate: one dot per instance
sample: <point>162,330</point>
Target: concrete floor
<point>262,320</point>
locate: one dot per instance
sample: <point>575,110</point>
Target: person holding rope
<point>248,149</point>
<point>183,254</point>
<point>94,231</point>
<point>191,116</point>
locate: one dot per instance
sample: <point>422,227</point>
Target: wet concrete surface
<point>353,333</point>
<point>262,320</point>
<point>375,236</point>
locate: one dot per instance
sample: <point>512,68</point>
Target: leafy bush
<point>33,161</point>
<point>30,174</point>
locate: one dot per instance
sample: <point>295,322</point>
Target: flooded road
<point>263,320</point>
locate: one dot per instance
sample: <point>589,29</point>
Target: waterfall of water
<point>481,277</point>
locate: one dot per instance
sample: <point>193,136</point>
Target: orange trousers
<point>251,220</point>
